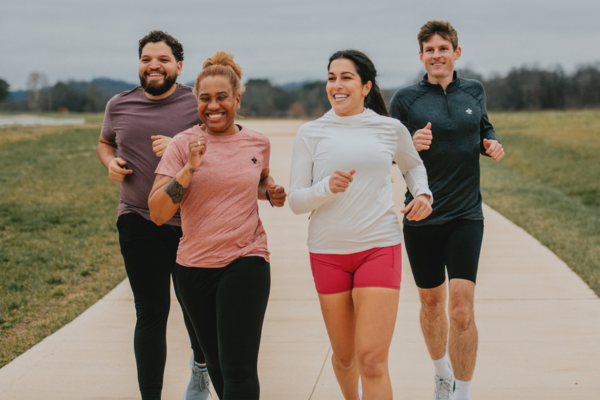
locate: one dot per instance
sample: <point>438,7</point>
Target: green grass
<point>549,183</point>
<point>59,249</point>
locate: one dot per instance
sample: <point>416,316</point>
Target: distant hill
<point>76,96</point>
<point>113,85</point>
<point>16,96</point>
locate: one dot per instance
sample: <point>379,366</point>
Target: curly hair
<point>221,64</point>
<point>160,36</point>
<point>442,28</point>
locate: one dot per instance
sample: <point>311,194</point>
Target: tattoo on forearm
<point>191,171</point>
<point>175,191</point>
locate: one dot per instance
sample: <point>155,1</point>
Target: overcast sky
<point>288,41</point>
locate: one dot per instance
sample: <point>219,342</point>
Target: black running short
<point>455,246</point>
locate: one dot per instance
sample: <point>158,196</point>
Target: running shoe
<point>198,388</point>
<point>444,387</point>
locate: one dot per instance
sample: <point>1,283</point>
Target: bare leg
<point>376,310</point>
<point>463,332</point>
<point>434,322</point>
<point>338,313</point>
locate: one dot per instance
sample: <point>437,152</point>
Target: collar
<point>451,87</point>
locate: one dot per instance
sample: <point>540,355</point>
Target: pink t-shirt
<point>219,211</point>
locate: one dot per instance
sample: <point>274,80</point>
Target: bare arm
<point>167,193</point>
<point>277,193</point>
<point>107,152</point>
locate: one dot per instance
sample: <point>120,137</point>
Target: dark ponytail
<point>367,72</point>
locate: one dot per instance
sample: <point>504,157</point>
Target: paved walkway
<point>34,120</point>
<point>539,326</point>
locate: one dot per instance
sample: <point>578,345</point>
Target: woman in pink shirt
<point>223,274</point>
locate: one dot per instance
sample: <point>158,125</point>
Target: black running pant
<point>149,252</point>
<point>227,308</point>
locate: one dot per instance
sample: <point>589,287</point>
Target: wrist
<point>189,169</point>
<point>269,197</point>
<point>327,184</point>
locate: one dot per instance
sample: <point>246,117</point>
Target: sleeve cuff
<point>425,191</point>
<point>325,182</point>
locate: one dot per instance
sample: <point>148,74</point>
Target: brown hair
<point>442,28</point>
<point>221,64</point>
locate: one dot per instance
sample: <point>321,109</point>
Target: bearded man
<point>138,126</point>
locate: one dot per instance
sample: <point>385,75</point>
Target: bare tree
<point>37,98</point>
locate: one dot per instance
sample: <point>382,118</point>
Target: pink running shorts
<point>337,273</point>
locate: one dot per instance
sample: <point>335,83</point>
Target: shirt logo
<point>469,111</point>
<point>254,160</point>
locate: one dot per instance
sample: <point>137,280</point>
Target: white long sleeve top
<point>362,217</point>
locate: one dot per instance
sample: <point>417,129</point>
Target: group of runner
<point>190,180</point>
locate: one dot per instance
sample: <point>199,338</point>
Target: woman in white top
<point>341,173</point>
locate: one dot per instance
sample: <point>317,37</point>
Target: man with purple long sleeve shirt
<point>138,126</point>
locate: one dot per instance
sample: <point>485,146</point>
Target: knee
<point>343,361</point>
<point>432,307</point>
<point>238,372</point>
<point>152,313</point>
<point>372,363</point>
<point>461,317</point>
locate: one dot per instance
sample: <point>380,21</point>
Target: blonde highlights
<point>221,64</point>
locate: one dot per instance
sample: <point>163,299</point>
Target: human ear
<point>367,88</point>
<point>457,53</point>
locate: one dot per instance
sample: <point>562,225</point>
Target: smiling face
<point>345,89</point>
<point>439,56</point>
<point>158,70</point>
<point>217,105</point>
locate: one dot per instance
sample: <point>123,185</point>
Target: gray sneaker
<point>198,386</point>
<point>444,387</point>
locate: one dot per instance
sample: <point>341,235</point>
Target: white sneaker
<point>444,387</point>
<point>198,386</point>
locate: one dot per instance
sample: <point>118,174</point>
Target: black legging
<point>149,252</point>
<point>227,308</point>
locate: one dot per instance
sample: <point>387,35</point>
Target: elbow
<point>157,219</point>
<point>155,215</point>
<point>295,207</point>
<point>295,210</point>
<point>293,204</point>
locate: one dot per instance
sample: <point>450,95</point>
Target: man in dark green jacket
<point>447,117</point>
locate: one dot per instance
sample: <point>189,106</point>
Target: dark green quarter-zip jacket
<point>459,123</point>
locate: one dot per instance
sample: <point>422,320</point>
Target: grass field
<point>59,250</point>
<point>549,183</point>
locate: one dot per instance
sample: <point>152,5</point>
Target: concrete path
<point>539,325</point>
<point>34,120</point>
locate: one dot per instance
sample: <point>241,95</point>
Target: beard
<point>157,89</point>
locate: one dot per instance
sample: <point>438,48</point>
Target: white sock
<point>462,391</point>
<point>442,367</point>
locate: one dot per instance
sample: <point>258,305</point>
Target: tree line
<point>533,88</point>
<point>525,88</point>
